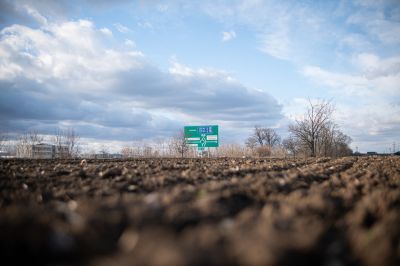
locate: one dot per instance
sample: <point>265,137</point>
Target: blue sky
<point>119,71</point>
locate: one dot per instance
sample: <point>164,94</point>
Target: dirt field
<point>201,212</point>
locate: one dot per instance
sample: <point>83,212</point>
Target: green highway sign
<point>202,136</point>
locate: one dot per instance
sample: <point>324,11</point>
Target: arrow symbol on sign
<point>203,140</point>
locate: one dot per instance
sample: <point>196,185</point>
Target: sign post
<point>202,136</point>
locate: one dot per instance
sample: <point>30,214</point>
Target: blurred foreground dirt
<point>201,212</point>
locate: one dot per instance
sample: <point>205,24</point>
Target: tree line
<point>315,134</point>
<point>65,141</point>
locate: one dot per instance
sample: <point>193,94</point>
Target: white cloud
<point>71,51</point>
<point>374,77</point>
<point>121,28</point>
<point>228,35</point>
<point>269,22</point>
<point>295,108</point>
<point>387,31</point>
<point>179,69</point>
<point>302,32</point>
<point>356,42</point>
<point>145,25</point>
<point>130,43</point>
<point>372,124</point>
<point>344,83</point>
<point>106,31</point>
<point>34,14</point>
<point>373,66</point>
<point>372,18</point>
<point>65,73</point>
<point>276,44</point>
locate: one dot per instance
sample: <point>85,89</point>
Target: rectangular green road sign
<point>202,136</point>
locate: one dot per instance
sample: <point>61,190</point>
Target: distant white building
<point>61,151</point>
<point>42,151</point>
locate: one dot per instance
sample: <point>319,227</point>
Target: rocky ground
<point>201,212</point>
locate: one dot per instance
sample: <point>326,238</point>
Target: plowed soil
<point>201,212</point>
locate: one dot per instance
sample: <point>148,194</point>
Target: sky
<point>122,71</point>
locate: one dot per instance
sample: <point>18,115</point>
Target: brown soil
<point>201,212</point>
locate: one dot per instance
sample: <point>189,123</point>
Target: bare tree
<point>333,142</point>
<point>318,133</point>
<point>3,140</point>
<point>58,139</point>
<point>291,145</point>
<point>148,151</point>
<point>66,142</point>
<point>127,152</point>
<point>251,143</point>
<point>161,144</point>
<point>72,142</point>
<point>271,137</point>
<point>23,147</point>
<point>178,144</point>
<point>34,137</point>
<point>259,135</point>
<point>341,144</point>
<point>104,150</point>
<point>262,141</point>
<point>308,129</point>
<point>264,137</point>
<point>326,139</point>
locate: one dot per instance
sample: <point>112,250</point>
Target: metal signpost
<point>202,136</point>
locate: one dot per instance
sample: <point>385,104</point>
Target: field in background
<point>201,211</point>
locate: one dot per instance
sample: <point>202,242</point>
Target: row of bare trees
<point>263,141</point>
<point>66,142</point>
<point>315,134</point>
<point>23,146</point>
<point>3,141</point>
<point>178,144</point>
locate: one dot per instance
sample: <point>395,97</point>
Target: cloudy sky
<point>119,71</point>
